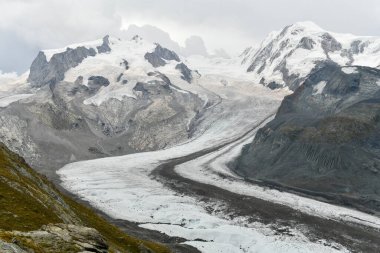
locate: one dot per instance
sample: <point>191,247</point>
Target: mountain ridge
<point>323,137</point>
<point>285,58</point>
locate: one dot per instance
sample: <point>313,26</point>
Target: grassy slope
<point>28,201</point>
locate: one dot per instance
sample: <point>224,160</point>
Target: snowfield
<point>7,100</point>
<point>13,88</point>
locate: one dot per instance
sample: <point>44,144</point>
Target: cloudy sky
<point>27,26</point>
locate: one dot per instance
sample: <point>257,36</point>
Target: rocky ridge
<point>324,140</point>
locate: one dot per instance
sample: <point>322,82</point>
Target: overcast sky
<point>29,25</point>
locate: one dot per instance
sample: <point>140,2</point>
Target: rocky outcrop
<point>105,47</point>
<point>307,43</point>
<point>324,140</point>
<point>329,43</point>
<point>185,71</point>
<point>9,247</point>
<point>53,238</point>
<point>43,72</point>
<point>96,82</point>
<point>159,55</point>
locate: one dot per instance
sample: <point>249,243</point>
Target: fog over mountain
<point>28,26</point>
<point>194,45</point>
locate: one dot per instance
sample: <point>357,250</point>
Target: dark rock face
<point>159,55</point>
<point>104,48</point>
<point>358,46</point>
<point>324,140</point>
<point>274,85</point>
<point>329,43</point>
<point>43,72</point>
<point>307,43</point>
<point>125,64</point>
<point>153,88</point>
<point>96,82</point>
<point>185,71</point>
<point>155,60</point>
<point>165,53</point>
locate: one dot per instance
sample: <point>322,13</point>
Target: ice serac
<point>285,58</point>
<point>324,140</point>
<point>159,55</point>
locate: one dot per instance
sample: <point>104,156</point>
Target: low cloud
<point>29,25</point>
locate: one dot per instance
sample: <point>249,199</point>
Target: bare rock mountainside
<point>101,98</point>
<point>287,57</point>
<point>36,217</point>
<point>324,140</point>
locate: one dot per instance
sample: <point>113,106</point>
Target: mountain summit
<point>285,58</point>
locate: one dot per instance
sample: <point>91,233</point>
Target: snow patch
<point>11,81</point>
<point>350,70</point>
<point>5,101</point>
<point>319,87</point>
<point>88,44</point>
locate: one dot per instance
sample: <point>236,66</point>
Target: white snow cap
<point>307,25</point>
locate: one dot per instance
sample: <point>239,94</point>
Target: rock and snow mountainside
<point>324,139</point>
<point>115,97</point>
<point>285,58</point>
<point>100,98</point>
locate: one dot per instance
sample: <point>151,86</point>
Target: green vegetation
<point>28,201</point>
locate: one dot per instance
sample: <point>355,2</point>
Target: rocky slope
<point>54,238</point>
<point>324,139</point>
<point>36,217</point>
<point>100,98</point>
<point>285,58</point>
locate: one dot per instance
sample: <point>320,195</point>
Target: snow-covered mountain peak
<point>306,26</point>
<point>285,58</point>
<point>110,57</point>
